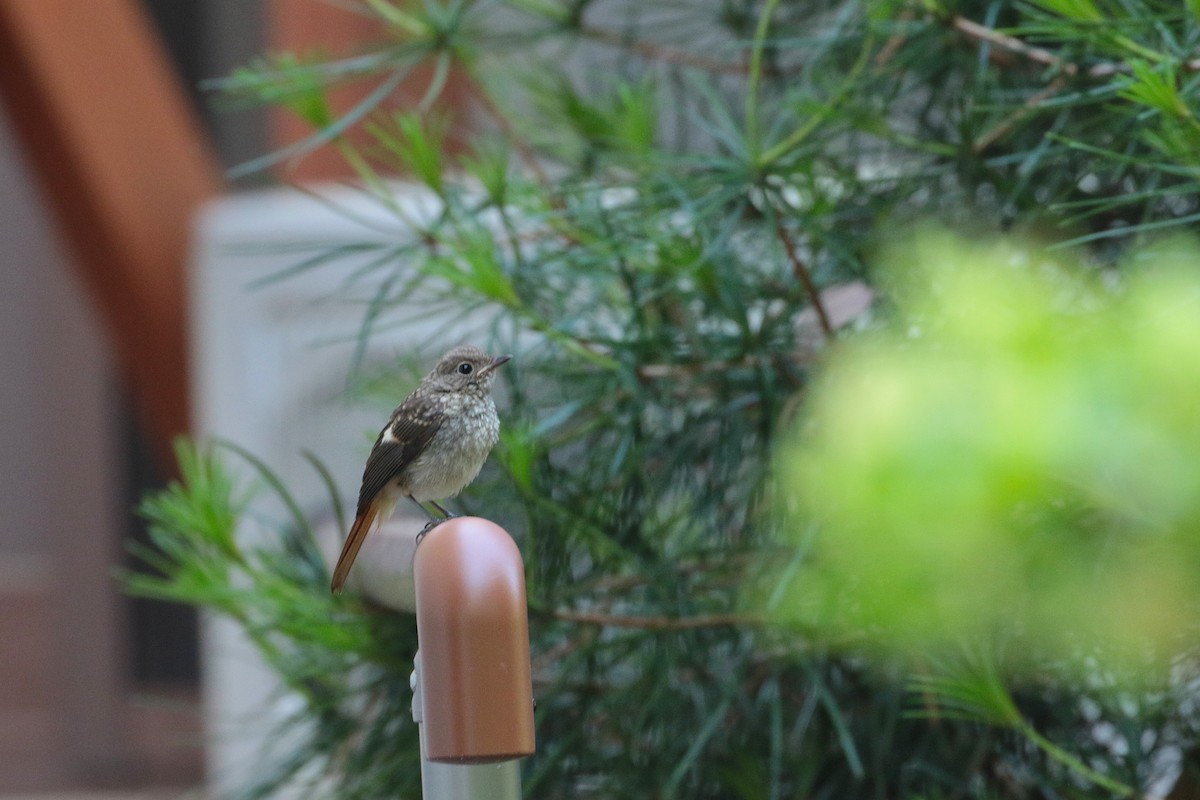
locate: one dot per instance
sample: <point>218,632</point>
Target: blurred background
<point>127,251</point>
<point>107,151</point>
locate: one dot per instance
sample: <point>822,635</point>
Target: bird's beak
<point>497,361</point>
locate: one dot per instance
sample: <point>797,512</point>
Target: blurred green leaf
<point>288,80</point>
<point>417,141</point>
<point>1077,10</point>
<point>1016,453</point>
<point>476,265</point>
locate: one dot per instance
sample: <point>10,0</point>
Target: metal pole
<point>471,681</point>
<point>499,781</point>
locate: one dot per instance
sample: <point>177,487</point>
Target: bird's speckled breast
<point>458,450</point>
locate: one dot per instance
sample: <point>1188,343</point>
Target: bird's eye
<point>464,368</point>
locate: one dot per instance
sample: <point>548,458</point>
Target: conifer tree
<point>663,196</point>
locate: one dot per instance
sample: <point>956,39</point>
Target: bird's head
<point>465,369</point>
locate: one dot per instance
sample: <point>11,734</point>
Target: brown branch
<point>556,655</point>
<point>1011,43</point>
<point>1001,129</point>
<point>658,52</point>
<point>732,564</point>
<point>662,371</point>
<point>895,41</point>
<point>1040,55</point>
<point>649,372</point>
<point>800,270</point>
<point>1113,67</point>
<point>659,623</point>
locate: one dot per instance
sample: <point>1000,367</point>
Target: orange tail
<point>358,532</point>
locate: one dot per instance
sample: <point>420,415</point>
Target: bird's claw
<point>433,523</point>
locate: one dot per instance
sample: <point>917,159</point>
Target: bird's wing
<point>407,433</point>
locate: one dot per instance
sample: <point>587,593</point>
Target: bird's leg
<point>425,510</point>
<point>433,521</point>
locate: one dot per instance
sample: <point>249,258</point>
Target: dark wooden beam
<point>124,166</point>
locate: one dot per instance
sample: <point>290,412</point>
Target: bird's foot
<point>433,523</point>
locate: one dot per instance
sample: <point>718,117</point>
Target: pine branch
<point>665,349</point>
<point>1005,126</point>
<point>1039,55</point>
<point>659,622</point>
<point>800,271</point>
<point>982,33</point>
<point>528,157</point>
<point>653,51</point>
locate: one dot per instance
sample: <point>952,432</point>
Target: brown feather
<point>412,426</point>
<point>354,541</point>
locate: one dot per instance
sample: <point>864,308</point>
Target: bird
<point>433,446</point>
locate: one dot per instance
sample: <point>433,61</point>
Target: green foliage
<point>1017,451</point>
<point>288,81</point>
<point>652,199</point>
<point>416,144</point>
<point>1012,457</point>
<point>339,659</point>
<point>968,686</point>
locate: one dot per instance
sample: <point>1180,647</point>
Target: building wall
<point>60,673</point>
<point>96,689</point>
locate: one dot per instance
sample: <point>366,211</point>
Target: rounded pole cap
<point>473,633</point>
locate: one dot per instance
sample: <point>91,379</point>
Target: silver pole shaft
<point>500,781</point>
